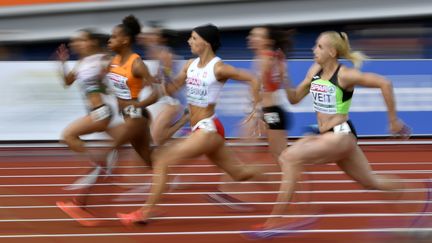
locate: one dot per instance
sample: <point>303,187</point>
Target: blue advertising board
<point>411,79</point>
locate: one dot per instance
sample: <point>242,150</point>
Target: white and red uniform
<point>202,90</point>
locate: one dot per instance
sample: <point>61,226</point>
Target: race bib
<point>100,113</point>
<point>343,128</point>
<point>271,117</point>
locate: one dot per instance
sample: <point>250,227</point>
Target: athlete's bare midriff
<point>198,113</point>
<point>328,121</point>
<point>95,100</point>
<point>267,98</point>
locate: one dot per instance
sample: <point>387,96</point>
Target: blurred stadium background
<point>396,34</point>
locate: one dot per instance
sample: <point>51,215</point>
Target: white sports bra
<point>89,74</point>
<point>202,87</point>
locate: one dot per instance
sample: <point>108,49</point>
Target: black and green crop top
<point>328,97</point>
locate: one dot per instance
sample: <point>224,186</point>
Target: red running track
<point>32,180</point>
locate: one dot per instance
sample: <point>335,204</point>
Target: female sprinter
<point>332,85</point>
<point>170,116</point>
<point>204,78</point>
<point>88,74</point>
<point>127,76</point>
<point>269,45</point>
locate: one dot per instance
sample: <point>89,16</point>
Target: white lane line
<point>104,144</point>
<point>260,164</point>
<point>67,167</point>
<point>344,215</point>
<point>226,232</point>
<point>211,192</point>
<point>365,202</point>
<point>207,183</point>
<point>219,174</point>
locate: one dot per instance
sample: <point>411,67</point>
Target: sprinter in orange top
<point>124,84</point>
<point>127,76</point>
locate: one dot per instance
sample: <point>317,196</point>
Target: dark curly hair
<point>131,27</point>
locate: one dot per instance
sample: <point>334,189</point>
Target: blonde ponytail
<point>356,57</point>
<point>341,43</point>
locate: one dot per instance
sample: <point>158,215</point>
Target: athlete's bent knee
<point>291,157</point>
<point>246,174</point>
<point>67,139</point>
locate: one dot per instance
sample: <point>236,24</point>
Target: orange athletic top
<point>123,83</point>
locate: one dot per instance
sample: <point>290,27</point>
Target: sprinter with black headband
<point>204,78</point>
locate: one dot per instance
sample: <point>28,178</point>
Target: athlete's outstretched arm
<point>63,55</point>
<point>295,95</point>
<point>350,77</point>
<point>139,69</point>
<point>224,72</point>
<point>178,82</point>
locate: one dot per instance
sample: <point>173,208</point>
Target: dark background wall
<point>392,38</point>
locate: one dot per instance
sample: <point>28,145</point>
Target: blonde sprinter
<point>331,85</point>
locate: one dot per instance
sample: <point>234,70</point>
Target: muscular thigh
<point>321,149</point>
<point>141,138</point>
<point>166,116</point>
<point>357,167</point>
<point>225,159</point>
<point>85,125</point>
<point>116,131</point>
<point>199,143</point>
<point>140,128</point>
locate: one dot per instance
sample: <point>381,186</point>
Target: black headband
<point>209,33</point>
